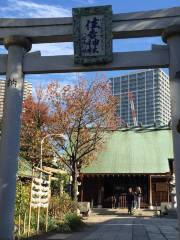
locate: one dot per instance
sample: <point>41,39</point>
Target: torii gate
<point>18,34</point>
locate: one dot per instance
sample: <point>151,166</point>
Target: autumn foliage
<point>82,113</point>
<point>35,120</point>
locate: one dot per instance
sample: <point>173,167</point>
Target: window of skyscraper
<point>116,85</point>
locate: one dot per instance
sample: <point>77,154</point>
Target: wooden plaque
<point>92,34</point>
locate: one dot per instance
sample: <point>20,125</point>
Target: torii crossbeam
<point>19,34</point>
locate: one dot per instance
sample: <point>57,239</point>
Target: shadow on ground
<point>110,224</point>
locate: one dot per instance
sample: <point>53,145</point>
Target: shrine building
<point>131,157</point>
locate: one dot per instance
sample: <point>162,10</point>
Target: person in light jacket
<point>138,196</point>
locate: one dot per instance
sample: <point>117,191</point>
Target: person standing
<point>117,200</point>
<point>113,202</point>
<point>139,195</point>
<point>135,202</point>
<point>130,200</point>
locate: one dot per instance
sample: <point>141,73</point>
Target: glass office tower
<point>150,92</point>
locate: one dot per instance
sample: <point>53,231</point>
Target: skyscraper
<point>27,91</point>
<point>147,92</point>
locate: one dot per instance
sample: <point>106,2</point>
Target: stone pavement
<point>117,225</point>
<point>132,228</point>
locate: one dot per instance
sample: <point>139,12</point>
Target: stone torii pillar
<point>9,149</point>
<point>171,36</point>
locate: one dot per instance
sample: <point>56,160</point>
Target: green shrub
<point>74,221</point>
<point>63,227</point>
<point>60,205</point>
<point>53,225</point>
<point>21,206</point>
<point>22,198</point>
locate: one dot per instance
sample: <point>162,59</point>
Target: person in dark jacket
<point>117,200</point>
<point>130,200</point>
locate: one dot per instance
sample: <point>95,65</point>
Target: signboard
<point>92,32</point>
<point>40,193</point>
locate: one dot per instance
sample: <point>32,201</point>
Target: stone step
<point>172,212</point>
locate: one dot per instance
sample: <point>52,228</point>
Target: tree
<point>83,113</point>
<point>35,120</point>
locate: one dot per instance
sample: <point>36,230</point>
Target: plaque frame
<point>78,13</point>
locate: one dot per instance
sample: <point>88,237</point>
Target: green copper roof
<point>134,152</point>
<point>24,168</point>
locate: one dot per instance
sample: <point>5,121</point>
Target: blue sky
<point>62,8</point>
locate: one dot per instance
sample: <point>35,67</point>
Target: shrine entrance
<point>99,189</point>
<point>112,185</point>
<point>93,52</point>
